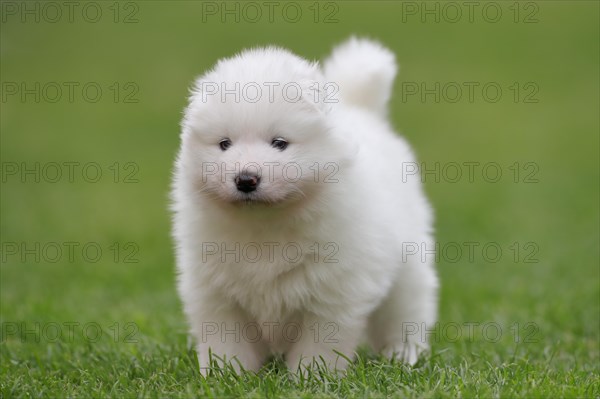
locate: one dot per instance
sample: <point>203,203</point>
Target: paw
<point>213,362</point>
<point>301,362</point>
<point>407,352</point>
<point>232,359</point>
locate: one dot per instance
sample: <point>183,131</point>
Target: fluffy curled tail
<point>364,71</point>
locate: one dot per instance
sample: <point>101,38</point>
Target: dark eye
<point>225,144</point>
<point>279,143</point>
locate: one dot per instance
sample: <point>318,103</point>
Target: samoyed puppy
<point>298,229</point>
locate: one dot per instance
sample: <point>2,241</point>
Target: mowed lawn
<point>502,109</point>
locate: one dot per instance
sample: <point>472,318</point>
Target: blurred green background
<point>549,49</point>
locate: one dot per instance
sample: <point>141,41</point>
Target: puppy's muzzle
<point>247,182</point>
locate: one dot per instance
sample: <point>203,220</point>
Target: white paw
<point>302,361</point>
<point>407,352</point>
<point>235,359</point>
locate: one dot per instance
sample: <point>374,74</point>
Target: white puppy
<point>298,228</point>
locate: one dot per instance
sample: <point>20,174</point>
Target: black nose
<point>247,182</point>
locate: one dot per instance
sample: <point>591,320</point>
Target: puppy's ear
<point>317,95</point>
<point>203,89</point>
<point>314,96</point>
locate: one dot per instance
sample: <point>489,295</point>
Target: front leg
<point>224,335</point>
<point>323,338</point>
<point>399,326</point>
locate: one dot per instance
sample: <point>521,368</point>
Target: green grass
<point>557,355</point>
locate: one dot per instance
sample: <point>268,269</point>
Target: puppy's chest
<point>270,280</point>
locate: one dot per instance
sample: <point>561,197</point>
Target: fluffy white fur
<point>350,212</point>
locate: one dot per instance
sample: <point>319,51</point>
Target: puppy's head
<point>256,131</point>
